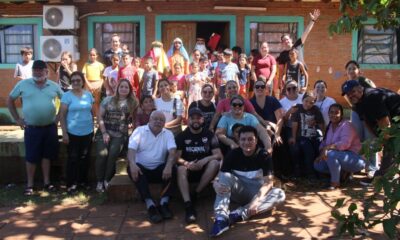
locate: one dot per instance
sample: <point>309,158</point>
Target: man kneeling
<point>198,159</point>
<point>246,178</point>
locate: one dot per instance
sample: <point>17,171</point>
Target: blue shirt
<point>227,122</point>
<point>38,104</point>
<point>79,114</point>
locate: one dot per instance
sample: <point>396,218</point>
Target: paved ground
<point>305,215</point>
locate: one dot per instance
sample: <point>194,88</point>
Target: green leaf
<point>352,207</point>
<point>339,203</point>
<point>389,226</point>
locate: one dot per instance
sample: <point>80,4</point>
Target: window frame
<point>92,20</point>
<point>270,19</point>
<point>354,51</point>
<point>25,21</point>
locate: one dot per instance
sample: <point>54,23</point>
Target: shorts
<point>195,176</point>
<point>41,142</point>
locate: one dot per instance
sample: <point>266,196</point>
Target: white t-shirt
<point>324,107</point>
<point>112,77</point>
<point>151,151</point>
<point>287,104</point>
<point>23,70</point>
<point>168,108</point>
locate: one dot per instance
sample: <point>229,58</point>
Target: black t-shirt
<point>377,103</point>
<point>208,111</point>
<point>270,106</point>
<point>308,121</point>
<point>196,146</point>
<point>284,58</point>
<point>252,167</point>
<point>107,57</point>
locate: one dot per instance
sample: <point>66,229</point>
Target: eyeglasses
<point>291,89</point>
<point>260,86</point>
<point>237,104</point>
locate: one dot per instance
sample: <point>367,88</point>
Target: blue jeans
<point>338,161</point>
<point>304,153</point>
<point>365,134</point>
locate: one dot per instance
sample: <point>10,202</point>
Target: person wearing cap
<point>198,158</point>
<point>265,66</point>
<point>39,120</point>
<point>226,71</point>
<point>376,107</point>
<point>178,54</point>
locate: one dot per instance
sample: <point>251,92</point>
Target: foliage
<point>387,213</point>
<point>355,12</point>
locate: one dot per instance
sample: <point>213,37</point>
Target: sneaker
<point>100,187</point>
<point>49,188</point>
<point>370,174</point>
<point>28,191</point>
<point>165,211</point>
<point>72,189</point>
<point>219,227</point>
<point>190,216</point>
<point>235,217</point>
<point>367,182</point>
<point>154,215</point>
<point>106,185</point>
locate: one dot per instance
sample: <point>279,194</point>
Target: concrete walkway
<point>305,215</point>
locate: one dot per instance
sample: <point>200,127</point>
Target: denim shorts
<point>41,142</point>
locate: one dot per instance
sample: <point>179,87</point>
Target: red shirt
<point>129,72</point>
<point>263,65</point>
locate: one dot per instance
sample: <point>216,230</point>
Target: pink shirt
<point>263,65</point>
<point>180,79</point>
<point>225,106</point>
<point>344,137</point>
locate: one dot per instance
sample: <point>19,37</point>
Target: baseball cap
<point>194,111</point>
<point>227,51</point>
<point>348,86</point>
<point>39,64</point>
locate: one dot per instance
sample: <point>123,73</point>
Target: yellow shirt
<point>93,71</point>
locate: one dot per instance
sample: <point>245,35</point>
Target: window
<point>13,38</point>
<point>271,32</point>
<point>128,32</point>
<point>378,46</point>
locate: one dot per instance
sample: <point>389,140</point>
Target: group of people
<point>240,131</point>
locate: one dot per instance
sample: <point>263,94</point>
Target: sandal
<point>49,187</point>
<point>28,191</point>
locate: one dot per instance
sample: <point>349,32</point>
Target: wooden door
<point>184,30</point>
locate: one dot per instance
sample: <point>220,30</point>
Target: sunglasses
<point>291,89</point>
<point>237,104</point>
<point>260,86</point>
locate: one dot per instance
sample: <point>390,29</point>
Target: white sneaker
<point>100,187</point>
<point>106,185</point>
<point>370,174</point>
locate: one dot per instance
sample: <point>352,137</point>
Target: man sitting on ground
<point>198,157</point>
<point>246,178</point>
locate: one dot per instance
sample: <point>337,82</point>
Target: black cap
<point>194,111</point>
<point>348,86</point>
<point>39,64</point>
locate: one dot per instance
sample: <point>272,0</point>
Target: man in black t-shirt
<point>246,178</point>
<point>198,159</point>
<point>115,49</point>
<point>376,107</point>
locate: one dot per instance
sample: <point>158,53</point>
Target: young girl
<point>295,70</point>
<point>111,76</point>
<point>307,128</point>
<point>146,108</point>
<point>64,71</point>
<point>179,77</point>
<point>92,70</point>
<point>194,81</point>
<point>244,74</point>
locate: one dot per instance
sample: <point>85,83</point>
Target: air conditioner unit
<point>60,17</point>
<point>53,46</point>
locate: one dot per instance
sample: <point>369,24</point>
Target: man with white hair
<point>151,155</point>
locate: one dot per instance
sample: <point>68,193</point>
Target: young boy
<point>150,79</point>
<point>129,72</point>
<point>226,71</point>
<point>23,70</point>
<point>110,75</point>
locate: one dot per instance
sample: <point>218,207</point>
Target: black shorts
<point>41,142</point>
<point>195,176</point>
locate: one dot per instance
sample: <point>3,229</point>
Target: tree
<point>355,12</point>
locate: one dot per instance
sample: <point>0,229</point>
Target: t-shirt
<point>38,104</point>
<point>149,81</point>
<point>79,115</point>
<point>116,117</point>
<point>107,57</point>
<point>270,106</point>
<point>225,106</point>
<point>287,103</point>
<point>243,75</point>
<point>284,58</point>
<point>181,79</point>
<point>111,75</point>
<point>308,121</point>
<point>293,72</point>
<point>252,167</point>
<point>168,109</point>
<point>129,72</point>
<point>196,146</point>
<point>263,65</point>
<point>23,70</point>
<point>208,112</point>
<point>323,106</point>
<point>377,103</point>
<point>227,72</point>
<point>93,71</point>
<point>227,122</point>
